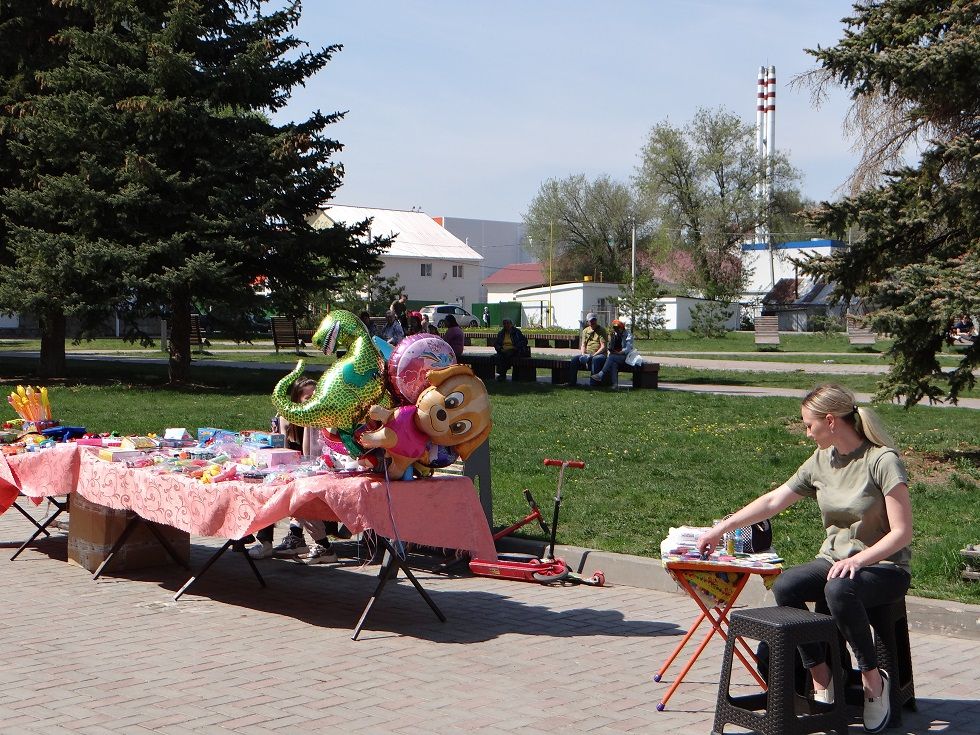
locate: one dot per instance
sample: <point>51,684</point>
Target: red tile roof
<point>517,274</point>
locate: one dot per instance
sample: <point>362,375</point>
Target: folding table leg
<point>41,527</point>
<point>168,547</point>
<point>389,570</point>
<point>29,517</point>
<point>238,545</point>
<point>717,626</point>
<point>127,531</point>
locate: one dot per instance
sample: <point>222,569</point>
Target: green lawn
<point>654,458</point>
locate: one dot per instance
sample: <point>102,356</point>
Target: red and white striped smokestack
<point>760,122</point>
<point>770,122</point>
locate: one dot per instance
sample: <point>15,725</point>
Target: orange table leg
<point>717,625</point>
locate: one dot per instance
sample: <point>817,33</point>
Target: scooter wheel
<point>598,578</point>
<point>549,578</point>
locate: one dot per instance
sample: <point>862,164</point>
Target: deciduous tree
<point>584,227</point>
<point>699,183</point>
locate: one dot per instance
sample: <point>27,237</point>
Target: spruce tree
<point>190,193</point>
<point>913,70</point>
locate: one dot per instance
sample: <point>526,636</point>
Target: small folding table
<point>729,579</point>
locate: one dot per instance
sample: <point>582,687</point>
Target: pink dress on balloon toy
<point>453,411</point>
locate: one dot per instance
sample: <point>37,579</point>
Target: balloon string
<point>399,546</point>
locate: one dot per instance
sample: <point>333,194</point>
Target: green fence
<point>495,313</point>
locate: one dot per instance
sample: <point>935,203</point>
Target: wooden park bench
<point>767,330</point>
<point>285,334</point>
<point>550,339</point>
<point>525,369</point>
<point>858,334</point>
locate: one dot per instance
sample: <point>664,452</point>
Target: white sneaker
<point>877,710</point>
<point>320,555</point>
<point>824,696</point>
<point>261,550</point>
<point>291,546</point>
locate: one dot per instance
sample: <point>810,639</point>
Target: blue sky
<point>464,107</point>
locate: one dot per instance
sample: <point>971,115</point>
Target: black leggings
<point>846,599</point>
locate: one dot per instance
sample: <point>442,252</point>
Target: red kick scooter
<point>528,568</point>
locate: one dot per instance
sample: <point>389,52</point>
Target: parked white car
<point>437,314</point>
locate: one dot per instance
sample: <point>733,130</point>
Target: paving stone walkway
<point>119,656</point>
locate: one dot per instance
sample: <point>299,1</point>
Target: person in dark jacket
<point>510,343</point>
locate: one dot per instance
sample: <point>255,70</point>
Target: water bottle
<point>739,541</point>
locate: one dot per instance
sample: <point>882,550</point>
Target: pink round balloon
<point>412,360</point>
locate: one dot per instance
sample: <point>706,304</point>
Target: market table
<point>721,582</point>
<point>38,476</point>
<point>442,512</point>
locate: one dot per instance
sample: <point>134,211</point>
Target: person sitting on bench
<point>510,344</point>
<point>861,487</point>
<point>593,345</point>
<point>620,345</point>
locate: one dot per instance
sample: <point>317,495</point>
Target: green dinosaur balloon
<point>348,388</point>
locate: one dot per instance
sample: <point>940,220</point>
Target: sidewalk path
<point>119,656</point>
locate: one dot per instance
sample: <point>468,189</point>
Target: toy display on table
<point>33,406</point>
<point>713,586</point>
<point>35,429</point>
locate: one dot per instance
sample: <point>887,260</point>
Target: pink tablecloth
<point>38,474</point>
<point>443,512</point>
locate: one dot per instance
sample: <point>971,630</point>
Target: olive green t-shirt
<point>850,490</point>
<point>592,338</point>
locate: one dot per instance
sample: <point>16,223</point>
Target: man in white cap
<point>620,345</point>
<point>593,344</point>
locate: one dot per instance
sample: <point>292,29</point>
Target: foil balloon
<point>411,362</point>
<point>346,391</point>
<point>453,411</point>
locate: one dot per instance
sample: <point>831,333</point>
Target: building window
<point>426,270</point>
<point>457,271</point>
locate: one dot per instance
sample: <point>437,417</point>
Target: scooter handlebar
<point>576,463</point>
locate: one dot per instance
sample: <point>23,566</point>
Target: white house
<point>567,303</point>
<point>432,264</point>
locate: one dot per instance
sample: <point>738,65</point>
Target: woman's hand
<point>708,541</point>
<point>845,568</point>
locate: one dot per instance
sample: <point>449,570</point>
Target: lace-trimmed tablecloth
<point>443,512</point>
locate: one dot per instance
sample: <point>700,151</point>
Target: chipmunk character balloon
<point>453,412</point>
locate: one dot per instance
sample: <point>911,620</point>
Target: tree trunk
<point>52,362</point>
<point>180,341</point>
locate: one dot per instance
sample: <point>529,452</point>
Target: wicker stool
<point>891,631</point>
<point>782,629</point>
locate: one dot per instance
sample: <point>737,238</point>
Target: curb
<point>937,617</point>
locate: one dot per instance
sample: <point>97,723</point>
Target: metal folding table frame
<point>391,564</point>
<point>60,506</point>
<point>717,616</point>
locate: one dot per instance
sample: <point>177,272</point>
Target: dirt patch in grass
<point>930,468</point>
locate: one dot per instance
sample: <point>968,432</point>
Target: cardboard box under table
<point>95,529</point>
